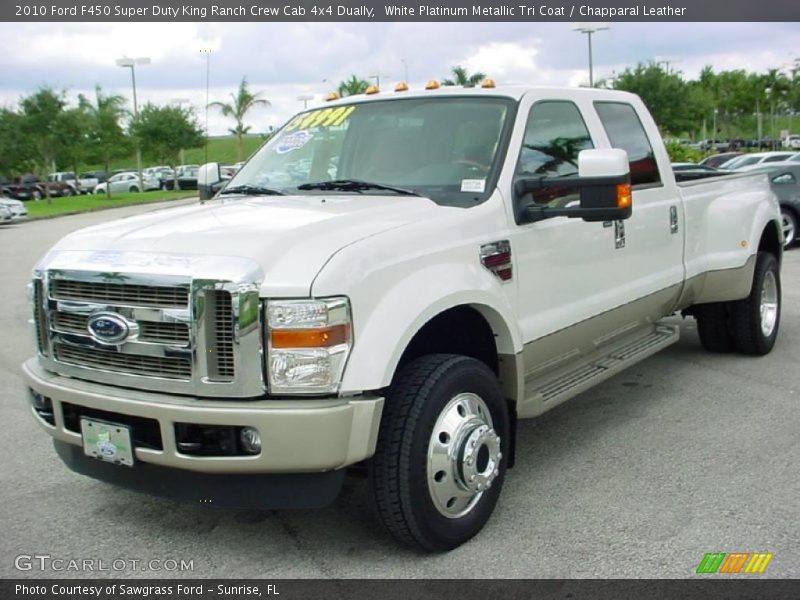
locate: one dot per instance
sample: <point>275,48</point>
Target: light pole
<point>667,61</point>
<point>589,29</point>
<point>131,64</point>
<point>207,52</point>
<point>377,78</point>
<point>405,69</point>
<point>304,100</point>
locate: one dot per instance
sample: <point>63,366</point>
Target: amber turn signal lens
<point>432,85</point>
<point>321,337</point>
<point>623,195</point>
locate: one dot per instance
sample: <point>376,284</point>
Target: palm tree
<point>352,86</point>
<point>106,133</point>
<point>462,77</point>
<point>240,104</point>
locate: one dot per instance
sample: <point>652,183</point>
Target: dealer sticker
<point>293,141</point>
<point>473,185</point>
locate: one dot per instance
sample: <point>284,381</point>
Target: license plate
<point>110,442</point>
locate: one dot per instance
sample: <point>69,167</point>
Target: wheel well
<point>465,331</point>
<point>770,240</point>
<point>459,330</point>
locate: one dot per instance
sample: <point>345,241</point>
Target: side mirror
<point>208,176</point>
<point>603,183</point>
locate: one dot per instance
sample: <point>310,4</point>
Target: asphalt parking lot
<point>684,454</point>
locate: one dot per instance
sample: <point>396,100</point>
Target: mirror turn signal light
<point>623,195</point>
<point>318,337</point>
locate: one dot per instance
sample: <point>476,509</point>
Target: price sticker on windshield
<point>473,185</point>
<point>325,117</point>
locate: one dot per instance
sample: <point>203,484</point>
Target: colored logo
<point>108,328</point>
<point>734,562</point>
<point>293,141</point>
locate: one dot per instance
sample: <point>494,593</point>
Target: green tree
<point>72,134</point>
<point>163,131</point>
<point>41,112</point>
<point>352,86</point>
<point>664,94</point>
<point>106,138</point>
<point>17,151</point>
<point>462,77</point>
<point>241,103</point>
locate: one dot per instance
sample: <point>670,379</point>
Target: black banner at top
<point>397,10</point>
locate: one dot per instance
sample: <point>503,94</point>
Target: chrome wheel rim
<point>787,223</point>
<point>463,455</point>
<point>769,304</point>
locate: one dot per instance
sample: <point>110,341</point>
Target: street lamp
<point>667,61</point>
<point>130,63</point>
<point>405,69</point>
<point>207,52</point>
<point>304,100</point>
<point>589,29</point>
<point>377,78</point>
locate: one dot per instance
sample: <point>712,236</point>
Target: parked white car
<point>127,182</point>
<point>15,208</point>
<point>792,142</point>
<point>754,159</point>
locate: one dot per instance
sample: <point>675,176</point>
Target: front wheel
<point>440,459</point>
<point>755,319</point>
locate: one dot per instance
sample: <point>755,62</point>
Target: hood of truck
<point>289,237</point>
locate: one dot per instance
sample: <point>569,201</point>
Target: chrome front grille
<point>189,325</point>
<point>121,294</point>
<point>109,360</point>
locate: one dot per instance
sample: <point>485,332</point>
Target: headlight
<point>308,345</point>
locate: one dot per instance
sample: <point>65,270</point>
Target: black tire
<point>69,191</point>
<point>714,328</point>
<point>399,472</point>
<point>789,224</point>
<point>133,189</point>
<point>750,327</point>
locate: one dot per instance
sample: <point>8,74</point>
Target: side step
<point>566,382</point>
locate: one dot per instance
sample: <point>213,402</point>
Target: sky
<point>285,61</point>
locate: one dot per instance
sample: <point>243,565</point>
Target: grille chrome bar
<point>39,316</point>
<point>156,332</point>
<point>220,345</point>
<point>108,360</point>
<point>124,294</point>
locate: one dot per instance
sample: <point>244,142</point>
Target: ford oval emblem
<point>108,328</point>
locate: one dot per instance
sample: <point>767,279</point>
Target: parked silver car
<point>15,209</point>
<point>127,182</point>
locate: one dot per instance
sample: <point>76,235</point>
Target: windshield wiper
<point>354,185</point>
<point>252,190</point>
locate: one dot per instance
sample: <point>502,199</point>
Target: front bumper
<point>297,436</point>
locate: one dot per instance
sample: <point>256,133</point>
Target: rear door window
<point>625,131</point>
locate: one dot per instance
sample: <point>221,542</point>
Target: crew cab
<point>65,183</point>
<point>391,283</point>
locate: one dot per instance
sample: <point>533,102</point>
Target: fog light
<point>251,440</point>
<point>39,401</point>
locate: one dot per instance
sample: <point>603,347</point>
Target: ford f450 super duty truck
<point>391,282</point>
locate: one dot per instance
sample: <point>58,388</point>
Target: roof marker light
<point>432,85</point>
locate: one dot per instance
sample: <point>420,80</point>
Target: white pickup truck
<point>391,282</point>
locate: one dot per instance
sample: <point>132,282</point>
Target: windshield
<point>448,149</point>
